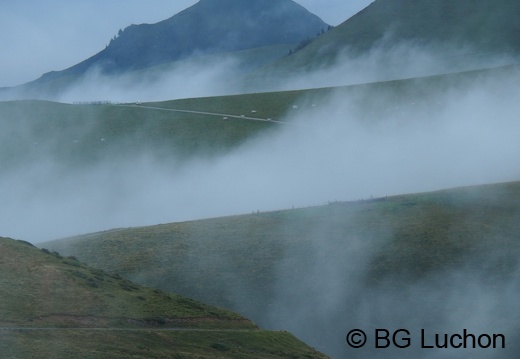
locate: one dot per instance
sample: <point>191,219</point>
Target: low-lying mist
<point>202,76</point>
<point>352,145</point>
<point>358,143</point>
<point>388,59</point>
<point>323,297</point>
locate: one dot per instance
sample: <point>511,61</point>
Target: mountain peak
<point>208,27</point>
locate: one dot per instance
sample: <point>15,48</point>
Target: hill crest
<point>57,307</point>
<point>465,28</point>
<point>208,27</point>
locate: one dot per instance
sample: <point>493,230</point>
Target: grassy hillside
<point>83,134</point>
<point>57,307</point>
<point>314,265</point>
<point>417,235</point>
<point>460,31</point>
<point>306,270</point>
<point>43,289</point>
<point>124,344</point>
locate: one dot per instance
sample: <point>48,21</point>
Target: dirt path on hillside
<point>222,115</point>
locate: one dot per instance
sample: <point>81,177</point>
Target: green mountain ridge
<point>54,306</point>
<point>461,33</point>
<point>209,27</point>
<point>284,262</point>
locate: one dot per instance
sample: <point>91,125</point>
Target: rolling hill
<point>410,260</point>
<point>57,307</point>
<point>83,134</point>
<point>459,35</point>
<point>179,130</point>
<point>71,169</point>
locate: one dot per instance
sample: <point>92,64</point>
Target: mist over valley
<point>315,179</point>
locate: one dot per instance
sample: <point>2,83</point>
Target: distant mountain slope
<point>77,136</point>
<point>208,27</point>
<point>471,26</point>
<point>56,307</point>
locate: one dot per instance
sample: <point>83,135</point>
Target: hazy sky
<point>41,36</point>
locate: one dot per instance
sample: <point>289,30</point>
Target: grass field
<point>124,344</point>
<point>414,236</point>
<point>57,307</point>
<point>43,289</point>
<point>76,135</point>
<point>310,268</point>
<point>83,134</point>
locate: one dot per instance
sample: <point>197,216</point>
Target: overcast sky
<point>38,36</point>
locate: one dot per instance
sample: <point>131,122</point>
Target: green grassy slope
<point>57,307</point>
<point>83,134</point>
<point>42,289</point>
<point>474,27</point>
<point>370,97</point>
<point>233,260</point>
<point>242,262</point>
<point>153,344</point>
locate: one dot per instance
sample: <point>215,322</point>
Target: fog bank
<point>348,147</point>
